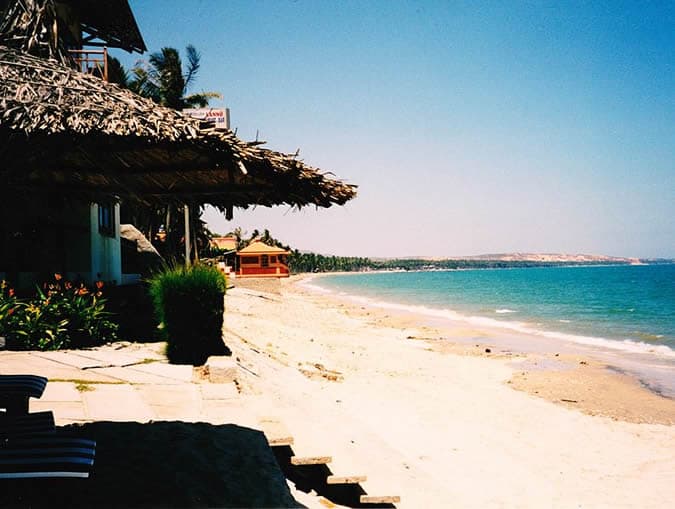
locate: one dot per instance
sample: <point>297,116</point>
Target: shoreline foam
<point>653,366</point>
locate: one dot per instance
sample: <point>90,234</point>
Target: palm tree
<point>164,80</point>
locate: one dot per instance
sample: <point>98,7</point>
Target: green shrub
<point>61,315</point>
<point>189,305</point>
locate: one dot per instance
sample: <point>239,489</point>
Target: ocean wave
<point>504,311</point>
<point>307,283</point>
<point>625,345</point>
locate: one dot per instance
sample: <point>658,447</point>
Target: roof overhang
<point>61,130</point>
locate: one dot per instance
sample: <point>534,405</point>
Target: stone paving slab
<point>61,391</point>
<point>181,396</point>
<point>181,373</point>
<point>130,375</point>
<point>219,391</point>
<point>172,413</point>
<point>64,412</point>
<point>221,412</point>
<point>68,358</point>
<point>116,402</point>
<point>31,363</point>
<point>111,357</point>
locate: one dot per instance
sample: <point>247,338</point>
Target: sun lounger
<point>48,456</point>
<point>16,390</point>
<point>15,426</point>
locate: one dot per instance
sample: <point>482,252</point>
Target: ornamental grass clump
<point>189,304</point>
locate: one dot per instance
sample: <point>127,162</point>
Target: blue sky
<point>470,127</point>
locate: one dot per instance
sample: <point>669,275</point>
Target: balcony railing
<point>92,61</point>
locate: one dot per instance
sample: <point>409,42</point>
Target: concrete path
<point>125,382</point>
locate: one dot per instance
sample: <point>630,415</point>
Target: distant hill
<point>531,257</point>
<point>552,257</point>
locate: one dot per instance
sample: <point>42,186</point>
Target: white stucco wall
<point>106,251</point>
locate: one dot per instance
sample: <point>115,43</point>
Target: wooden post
<point>105,64</point>
<point>186,210</point>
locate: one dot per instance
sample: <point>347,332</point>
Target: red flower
<point>99,284</point>
<point>10,311</point>
<point>82,291</point>
<point>11,292</point>
<point>58,276</point>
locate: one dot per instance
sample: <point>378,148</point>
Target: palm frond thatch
<point>62,130</point>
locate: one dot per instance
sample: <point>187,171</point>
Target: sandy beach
<point>447,423</point>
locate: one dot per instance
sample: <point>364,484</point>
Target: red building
<point>260,260</point>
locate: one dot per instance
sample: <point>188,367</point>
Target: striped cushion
<point>26,385</point>
<point>46,456</point>
<point>28,424</point>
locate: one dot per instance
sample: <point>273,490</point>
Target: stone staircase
<point>311,472</point>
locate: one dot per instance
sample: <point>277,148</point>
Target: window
<point>106,219</point>
<point>265,261</point>
<point>249,260</point>
<point>273,259</point>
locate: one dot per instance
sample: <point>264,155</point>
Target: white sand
<point>440,430</point>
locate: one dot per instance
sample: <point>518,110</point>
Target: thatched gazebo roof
<point>68,132</point>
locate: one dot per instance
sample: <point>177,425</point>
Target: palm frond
<point>193,65</point>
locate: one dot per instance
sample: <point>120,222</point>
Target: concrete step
<point>277,434</point>
<point>374,499</point>
<point>310,460</point>
<point>348,479</point>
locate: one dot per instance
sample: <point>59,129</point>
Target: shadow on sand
<point>164,464</point>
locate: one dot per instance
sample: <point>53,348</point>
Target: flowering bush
<point>61,315</point>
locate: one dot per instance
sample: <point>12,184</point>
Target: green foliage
<point>165,80</point>
<point>189,305</point>
<point>312,262</point>
<point>61,315</point>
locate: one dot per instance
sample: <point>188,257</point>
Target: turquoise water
<point>623,307</point>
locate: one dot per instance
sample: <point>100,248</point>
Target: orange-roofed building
<point>227,243</point>
<point>260,260</point>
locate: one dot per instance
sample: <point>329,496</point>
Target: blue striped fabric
<point>46,456</point>
<point>28,424</point>
<point>28,385</point>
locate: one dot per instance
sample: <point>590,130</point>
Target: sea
<point>626,312</point>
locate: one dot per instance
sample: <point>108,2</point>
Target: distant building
<point>260,260</point>
<point>227,243</point>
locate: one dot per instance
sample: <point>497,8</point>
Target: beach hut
<point>260,260</point>
<point>73,147</point>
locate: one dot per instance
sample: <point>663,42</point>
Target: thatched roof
<point>64,131</point>
<point>92,22</point>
